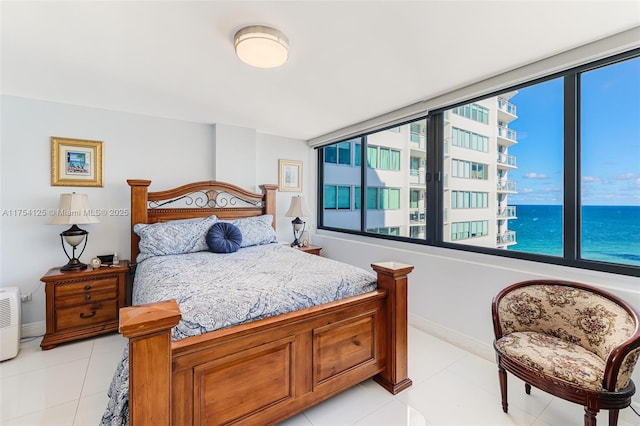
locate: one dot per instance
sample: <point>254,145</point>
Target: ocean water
<point>609,233</point>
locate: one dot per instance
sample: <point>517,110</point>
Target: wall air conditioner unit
<point>9,322</point>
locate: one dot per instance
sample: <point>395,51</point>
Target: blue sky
<point>610,129</point>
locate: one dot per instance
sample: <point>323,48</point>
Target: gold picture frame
<point>76,162</point>
<point>290,175</point>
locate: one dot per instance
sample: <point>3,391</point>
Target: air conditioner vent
<point>9,322</point>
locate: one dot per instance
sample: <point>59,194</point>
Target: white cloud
<point>591,178</point>
<point>627,176</point>
<point>534,175</point>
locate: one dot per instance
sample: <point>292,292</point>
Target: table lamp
<point>297,209</point>
<point>73,209</point>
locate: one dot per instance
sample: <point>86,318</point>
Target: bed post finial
<point>269,192</point>
<point>139,214</point>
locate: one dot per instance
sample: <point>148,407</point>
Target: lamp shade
<point>73,209</point>
<point>261,47</point>
<point>298,207</point>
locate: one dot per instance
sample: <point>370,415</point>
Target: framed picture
<point>290,175</point>
<point>76,162</point>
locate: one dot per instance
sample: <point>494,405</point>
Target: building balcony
<point>507,186</point>
<point>417,216</point>
<point>506,238</point>
<point>507,136</point>
<point>506,110</point>
<point>508,212</point>
<point>418,141</point>
<point>506,161</point>
<point>417,176</point>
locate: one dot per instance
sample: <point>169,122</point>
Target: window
<point>610,163</point>
<point>339,153</point>
<point>344,153</point>
<point>337,197</point>
<point>474,112</point>
<point>383,158</point>
<point>372,157</point>
<point>331,154</point>
<point>469,200</point>
<point>466,230</point>
<point>547,171</point>
<point>469,169</point>
<point>466,139</point>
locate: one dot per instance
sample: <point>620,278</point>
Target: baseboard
<point>33,329</point>
<point>477,347</point>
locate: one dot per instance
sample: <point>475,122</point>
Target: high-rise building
<point>475,177</point>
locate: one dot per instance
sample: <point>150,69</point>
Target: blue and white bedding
<point>215,291</point>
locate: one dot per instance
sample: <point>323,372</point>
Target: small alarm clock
<point>95,263</point>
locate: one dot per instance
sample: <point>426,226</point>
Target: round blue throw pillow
<point>224,237</point>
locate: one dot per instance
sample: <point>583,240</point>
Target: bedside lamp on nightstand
<point>73,209</point>
<point>297,209</point>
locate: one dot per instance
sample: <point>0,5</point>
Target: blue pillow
<point>224,237</point>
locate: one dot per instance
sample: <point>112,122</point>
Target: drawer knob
<point>87,287</point>
<point>82,315</point>
<point>87,297</point>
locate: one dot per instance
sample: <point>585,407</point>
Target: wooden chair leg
<point>527,388</point>
<point>613,417</point>
<point>502,375</point>
<point>589,417</point>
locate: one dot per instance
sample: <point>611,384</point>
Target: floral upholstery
<point>565,332</point>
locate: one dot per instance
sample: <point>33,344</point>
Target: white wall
<point>169,152</point>
<point>450,291</point>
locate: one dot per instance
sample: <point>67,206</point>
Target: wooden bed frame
<point>268,370</point>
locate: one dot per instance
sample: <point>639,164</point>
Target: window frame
<point>435,167</point>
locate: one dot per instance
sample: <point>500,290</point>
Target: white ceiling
<point>349,61</point>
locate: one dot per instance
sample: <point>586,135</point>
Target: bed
<point>269,365</point>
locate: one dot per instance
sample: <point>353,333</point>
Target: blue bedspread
<point>215,291</point>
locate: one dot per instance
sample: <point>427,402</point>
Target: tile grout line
<point>84,380</point>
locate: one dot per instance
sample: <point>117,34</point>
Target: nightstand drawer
<point>89,314</point>
<point>87,297</point>
<point>74,288</point>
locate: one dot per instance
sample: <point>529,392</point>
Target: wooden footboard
<point>266,371</point>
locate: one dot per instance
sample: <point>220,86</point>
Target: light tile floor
<point>67,386</point>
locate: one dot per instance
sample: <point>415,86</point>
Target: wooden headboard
<point>198,199</point>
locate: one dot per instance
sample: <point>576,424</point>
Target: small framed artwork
<point>76,162</point>
<point>290,175</point>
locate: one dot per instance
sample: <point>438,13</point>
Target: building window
<point>469,200</point>
<point>474,112</point>
<point>392,230</point>
<point>466,230</point>
<point>467,139</point>
<point>337,197</point>
<point>339,153</point>
<point>469,169</point>
<point>383,158</point>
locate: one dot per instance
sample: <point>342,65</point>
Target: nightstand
<point>83,303</point>
<point>311,249</point>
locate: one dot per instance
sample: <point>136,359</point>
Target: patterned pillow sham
<point>256,230</point>
<point>173,237</point>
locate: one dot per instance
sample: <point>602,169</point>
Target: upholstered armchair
<point>571,340</point>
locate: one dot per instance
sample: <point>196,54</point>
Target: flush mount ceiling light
<point>261,47</point>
